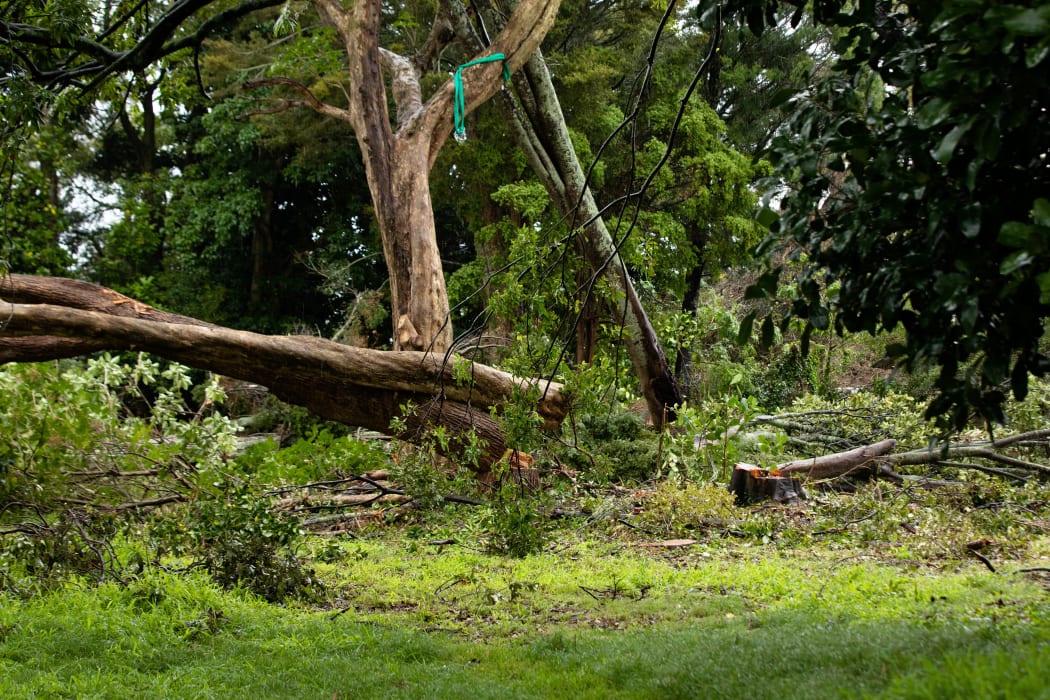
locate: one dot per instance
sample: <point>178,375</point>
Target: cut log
<point>752,484</point>
<point>860,461</point>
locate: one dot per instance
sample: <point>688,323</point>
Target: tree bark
<point>398,162</point>
<point>44,318</point>
<point>859,460</point>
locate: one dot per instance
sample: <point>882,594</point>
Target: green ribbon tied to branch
<point>459,106</point>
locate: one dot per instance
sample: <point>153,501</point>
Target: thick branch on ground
<point>355,386</point>
<point>857,461</point>
<point>875,459</point>
<point>987,450</point>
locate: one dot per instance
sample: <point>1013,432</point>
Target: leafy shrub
<point>614,446</point>
<point>515,523</point>
<point>321,454</point>
<point>50,550</point>
<point>787,377</point>
<point>866,416</point>
<point>676,507</point>
<point>242,542</point>
<point>60,419</point>
<point>706,442</point>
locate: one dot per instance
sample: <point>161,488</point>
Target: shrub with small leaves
<point>242,542</point>
<point>676,508</point>
<point>515,523</point>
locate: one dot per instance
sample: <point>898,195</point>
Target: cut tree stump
<point>751,484</point>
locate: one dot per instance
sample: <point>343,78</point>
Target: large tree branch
<point>404,81</point>
<point>358,29</point>
<point>539,126</point>
<point>840,463</point>
<point>39,36</point>
<point>518,40</point>
<point>441,35</point>
<point>356,386</point>
<point>156,44</point>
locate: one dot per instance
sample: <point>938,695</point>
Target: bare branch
<point>309,99</point>
<point>839,464</point>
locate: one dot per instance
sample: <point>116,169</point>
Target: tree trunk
<point>861,460</point>
<point>397,163</point>
<point>46,317</point>
<point>262,249</point>
<point>544,132</point>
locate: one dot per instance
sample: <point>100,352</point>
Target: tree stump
<point>751,484</point>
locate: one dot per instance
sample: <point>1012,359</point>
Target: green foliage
<point>105,415</point>
<point>922,153</point>
<point>678,507</point>
<point>864,417</point>
<point>707,440</point>
<point>514,521</point>
<point>595,621</point>
<point>720,365</point>
<point>318,455</point>
<point>43,553</point>
<point>243,542</point>
<point>788,376</point>
<point>423,473</point>
<point>31,225</point>
<point>613,445</point>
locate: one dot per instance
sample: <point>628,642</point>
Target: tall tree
<point>68,47</point>
<point>398,153</point>
<point>918,172</point>
<point>538,125</point>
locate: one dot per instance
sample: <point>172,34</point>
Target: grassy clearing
<point>597,619</point>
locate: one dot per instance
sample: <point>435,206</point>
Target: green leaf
<point>971,220</point>
<point>746,327</point>
<point>768,332</point>
<point>1035,55</point>
<point>1015,261</point>
<point>818,317</point>
<point>1019,380</point>
<point>767,217</point>
<point>933,112</point>
<point>896,350</point>
<point>764,287</point>
<point>946,148</point>
<point>1014,234</point>
<point>987,139</point>
<point>1043,280</point>
<point>1029,22</point>
<point>1041,212</point>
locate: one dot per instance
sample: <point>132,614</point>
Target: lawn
<point>588,619</point>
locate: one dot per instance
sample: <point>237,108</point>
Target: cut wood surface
<point>752,484</point>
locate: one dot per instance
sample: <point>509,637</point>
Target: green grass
<point>596,620</point>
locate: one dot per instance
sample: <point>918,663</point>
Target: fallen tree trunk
<point>48,318</point>
<point>855,461</point>
<point>750,483</point>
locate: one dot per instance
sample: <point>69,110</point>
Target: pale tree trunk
<point>398,155</point>
<point>539,128</point>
